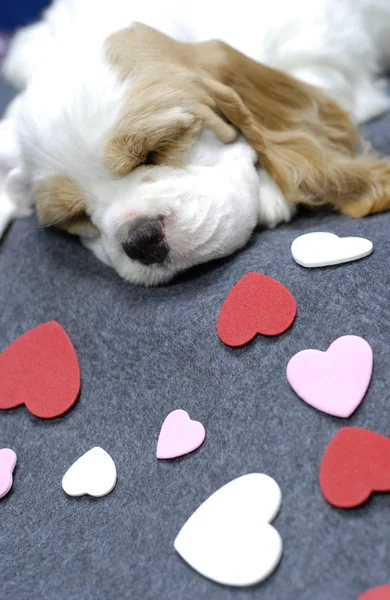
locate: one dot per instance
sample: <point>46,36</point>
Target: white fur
<point>72,97</point>
<point>14,190</point>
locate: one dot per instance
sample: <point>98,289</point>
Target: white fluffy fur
<point>70,97</point>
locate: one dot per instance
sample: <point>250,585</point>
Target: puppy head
<point>126,148</point>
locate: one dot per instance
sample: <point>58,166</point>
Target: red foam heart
<point>379,593</point>
<point>41,370</point>
<point>256,304</point>
<point>355,464</point>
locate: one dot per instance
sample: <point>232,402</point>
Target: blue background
<point>13,13</point>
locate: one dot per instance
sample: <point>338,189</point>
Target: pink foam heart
<point>7,465</point>
<point>335,381</point>
<point>179,435</point>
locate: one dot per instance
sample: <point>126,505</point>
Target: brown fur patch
<point>167,103</point>
<point>60,201</point>
<point>305,141</point>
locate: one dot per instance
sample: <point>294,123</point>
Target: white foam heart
<point>320,249</point>
<point>229,538</point>
<point>94,474</point>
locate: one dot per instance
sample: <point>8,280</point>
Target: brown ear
<point>60,201</point>
<point>305,140</point>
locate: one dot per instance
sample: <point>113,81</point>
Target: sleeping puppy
<point>163,150</point>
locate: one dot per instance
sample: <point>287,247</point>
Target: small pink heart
<point>7,465</point>
<point>334,381</point>
<point>179,435</point>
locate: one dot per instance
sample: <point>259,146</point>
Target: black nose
<point>146,242</point>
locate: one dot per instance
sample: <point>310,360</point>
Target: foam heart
<point>7,465</point>
<point>355,464</point>
<point>378,593</point>
<point>321,249</point>
<point>94,474</point>
<point>229,538</point>
<point>334,381</point>
<point>256,304</point>
<point>41,370</point>
<point>179,435</point>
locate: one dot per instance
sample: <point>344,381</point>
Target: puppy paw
<point>273,206</point>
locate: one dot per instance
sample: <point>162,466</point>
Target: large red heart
<point>355,464</point>
<point>41,370</point>
<point>256,304</point>
<point>378,593</point>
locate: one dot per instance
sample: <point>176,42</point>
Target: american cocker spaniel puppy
<point>164,134</point>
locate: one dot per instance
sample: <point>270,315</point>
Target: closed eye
<point>170,145</point>
<point>126,151</point>
<point>151,158</point>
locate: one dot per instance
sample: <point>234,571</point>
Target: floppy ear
<point>305,140</point>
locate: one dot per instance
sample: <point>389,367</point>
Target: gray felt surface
<point>144,353</point>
